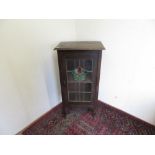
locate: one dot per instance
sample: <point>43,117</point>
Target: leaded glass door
<point>80,79</point>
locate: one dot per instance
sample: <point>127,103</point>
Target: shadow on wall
<point>153,115</point>
<point>56,70</point>
<point>51,73</point>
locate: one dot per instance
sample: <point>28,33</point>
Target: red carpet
<point>107,121</point>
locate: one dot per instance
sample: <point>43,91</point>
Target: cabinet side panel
<point>98,73</point>
<point>62,74</point>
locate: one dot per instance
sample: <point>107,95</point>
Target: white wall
<point>128,65</point>
<point>29,81</point>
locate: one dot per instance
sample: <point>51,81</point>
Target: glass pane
<point>85,87</point>
<point>85,97</point>
<point>82,63</point>
<point>89,65</point>
<point>70,76</point>
<point>89,77</point>
<point>80,97</point>
<point>70,64</point>
<point>76,63</point>
<point>73,87</point>
<point>73,97</point>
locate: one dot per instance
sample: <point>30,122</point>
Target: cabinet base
<point>65,111</point>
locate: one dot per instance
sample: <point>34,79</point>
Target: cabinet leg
<point>92,112</point>
<point>64,111</point>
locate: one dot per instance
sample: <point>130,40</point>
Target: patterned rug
<point>107,121</point>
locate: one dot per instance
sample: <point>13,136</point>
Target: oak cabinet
<point>79,70</point>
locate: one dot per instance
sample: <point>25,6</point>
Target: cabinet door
<point>80,70</point>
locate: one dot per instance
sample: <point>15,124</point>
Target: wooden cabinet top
<point>80,45</point>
